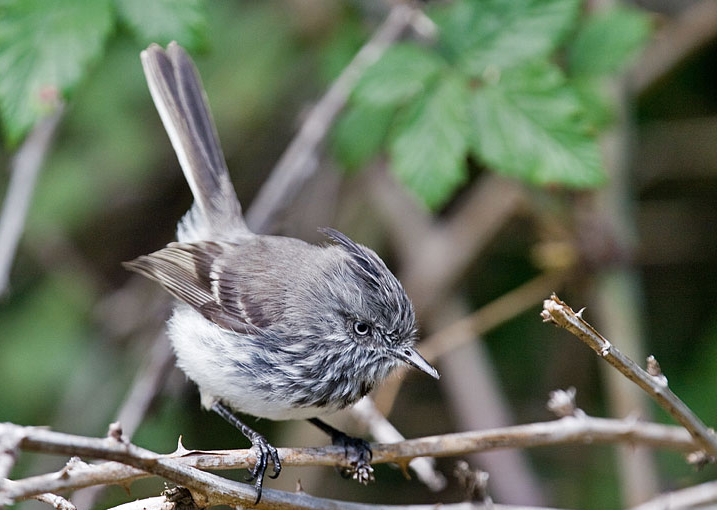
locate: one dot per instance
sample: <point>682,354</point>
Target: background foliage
<point>522,89</point>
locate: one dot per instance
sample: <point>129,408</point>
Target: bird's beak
<point>413,358</point>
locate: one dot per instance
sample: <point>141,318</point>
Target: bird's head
<point>373,305</point>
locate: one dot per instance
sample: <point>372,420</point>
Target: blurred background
<point>632,238</point>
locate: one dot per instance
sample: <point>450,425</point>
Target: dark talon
<point>264,450</point>
<point>358,453</point>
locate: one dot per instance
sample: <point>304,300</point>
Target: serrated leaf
<point>359,134</point>
<point>531,125</point>
<point>477,35</point>
<point>163,21</point>
<point>608,40</point>
<point>429,143</point>
<point>45,49</point>
<point>404,71</point>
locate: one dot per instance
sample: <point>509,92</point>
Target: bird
<point>266,325</point>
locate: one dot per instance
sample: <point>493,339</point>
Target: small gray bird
<point>266,325</point>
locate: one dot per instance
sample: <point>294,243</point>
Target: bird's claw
<point>265,451</point>
<point>358,454</point>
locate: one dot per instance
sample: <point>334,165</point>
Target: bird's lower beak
<point>413,358</point>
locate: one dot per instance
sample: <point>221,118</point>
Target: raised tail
<point>178,94</point>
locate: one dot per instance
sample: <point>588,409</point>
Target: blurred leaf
<point>498,33</point>
<point>359,134</point>
<point>531,125</point>
<point>608,40</point>
<point>163,21</point>
<point>404,71</point>
<point>45,49</point>
<point>595,97</point>
<point>429,143</point>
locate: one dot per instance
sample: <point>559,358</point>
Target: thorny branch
<point>185,467</point>
<point>654,383</point>
<point>691,497</point>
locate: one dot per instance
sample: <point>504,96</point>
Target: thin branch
<point>154,503</point>
<point>25,168</point>
<point>690,497</point>
<point>54,500</point>
<point>299,161</point>
<point>654,384</point>
<point>184,466</point>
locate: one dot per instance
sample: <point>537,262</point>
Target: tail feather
<point>178,94</point>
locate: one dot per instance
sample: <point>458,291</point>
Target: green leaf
<point>498,33</point>
<point>359,134</point>
<point>595,97</point>
<point>429,144</point>
<point>45,49</point>
<point>608,40</point>
<point>403,72</point>
<point>163,21</point>
<point>532,125</point>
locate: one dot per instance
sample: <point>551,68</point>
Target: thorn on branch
<point>114,431</point>
<point>653,368</point>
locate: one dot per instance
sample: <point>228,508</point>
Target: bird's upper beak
<point>413,358</point>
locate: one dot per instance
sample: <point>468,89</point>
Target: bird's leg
<point>358,453</point>
<point>265,450</point>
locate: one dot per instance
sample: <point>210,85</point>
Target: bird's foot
<point>264,452</point>
<point>358,454</point>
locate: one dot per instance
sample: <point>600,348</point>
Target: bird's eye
<point>361,328</point>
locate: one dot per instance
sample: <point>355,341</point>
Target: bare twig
<point>299,161</point>
<point>25,168</point>
<point>54,500</point>
<point>328,504</point>
<point>690,497</point>
<point>556,311</point>
<point>155,503</point>
<point>183,467</point>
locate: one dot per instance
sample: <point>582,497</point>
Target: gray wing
<point>178,94</point>
<point>197,274</point>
